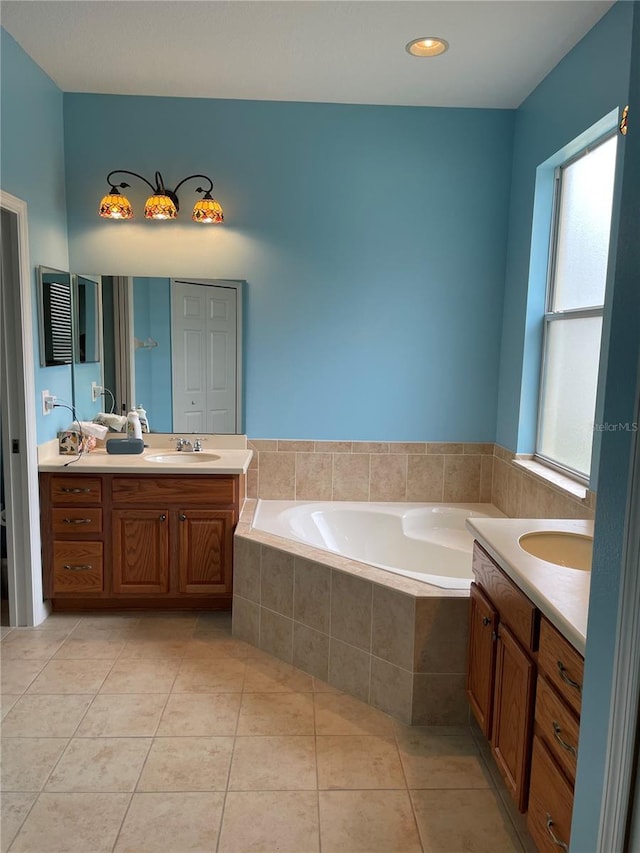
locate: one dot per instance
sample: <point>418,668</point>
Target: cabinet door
<point>140,551</point>
<point>513,714</point>
<point>481,659</point>
<point>205,548</point>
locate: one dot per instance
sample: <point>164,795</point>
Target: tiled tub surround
<point>393,642</point>
<point>407,471</point>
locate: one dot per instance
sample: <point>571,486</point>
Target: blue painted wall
<point>32,168</point>
<point>585,86</point>
<point>152,319</point>
<point>372,240</point>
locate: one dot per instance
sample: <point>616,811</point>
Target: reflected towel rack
<point>148,344</point>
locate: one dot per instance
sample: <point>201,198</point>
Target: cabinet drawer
<point>75,490</point>
<point>550,803</point>
<point>76,520</point>
<point>558,727</point>
<point>201,490</point>
<point>77,567</point>
<point>562,665</point>
<point>514,607</point>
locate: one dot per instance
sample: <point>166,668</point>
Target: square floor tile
<point>200,715</point>
<point>473,821</point>
<point>71,676</point>
<point>17,675</point>
<point>15,808</point>
<point>273,764</point>
<point>99,764</point>
<point>96,648</point>
<point>159,823</point>
<point>124,715</point>
<point>198,675</point>
<point>286,821</point>
<point>358,761</point>
<point>56,715</point>
<point>150,649</point>
<point>273,676</point>
<point>72,823</point>
<point>430,761</point>
<point>7,701</point>
<point>28,761</point>
<point>23,644</point>
<point>368,822</point>
<point>187,764</point>
<point>141,676</point>
<point>276,714</point>
<point>338,714</point>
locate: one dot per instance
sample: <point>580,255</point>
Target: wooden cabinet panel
<point>205,550</point>
<point>550,803</point>
<point>140,551</point>
<point>183,490</point>
<point>75,489</point>
<point>75,520</point>
<point>513,714</point>
<point>562,665</point>
<point>558,727</point>
<point>481,664</point>
<point>513,605</point>
<point>77,567</point>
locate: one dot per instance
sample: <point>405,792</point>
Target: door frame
<point>238,286</point>
<point>26,601</point>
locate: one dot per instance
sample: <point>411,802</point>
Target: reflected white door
<point>204,329</point>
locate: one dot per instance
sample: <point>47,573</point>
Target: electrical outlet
<point>96,390</point>
<point>48,402</point>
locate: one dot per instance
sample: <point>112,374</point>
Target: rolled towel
<point>116,423</point>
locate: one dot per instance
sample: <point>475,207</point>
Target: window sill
<point>560,481</point>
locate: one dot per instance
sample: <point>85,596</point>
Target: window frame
<point>568,314</point>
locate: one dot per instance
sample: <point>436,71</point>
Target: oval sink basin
<point>182,458</point>
<point>572,550</point>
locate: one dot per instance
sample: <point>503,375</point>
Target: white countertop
<point>560,593</point>
<point>98,461</point>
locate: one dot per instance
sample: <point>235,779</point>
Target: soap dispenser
<point>144,421</point>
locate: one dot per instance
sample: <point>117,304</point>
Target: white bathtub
<point>426,542</point>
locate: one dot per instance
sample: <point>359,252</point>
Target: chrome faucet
<point>184,445</point>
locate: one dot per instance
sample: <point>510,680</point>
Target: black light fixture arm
<point>160,188</point>
<point>115,186</point>
<point>198,189</point>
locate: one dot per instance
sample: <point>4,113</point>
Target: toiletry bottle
<point>134,429</point>
<point>144,421</point>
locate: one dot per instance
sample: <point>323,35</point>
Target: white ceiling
<point>338,51</point>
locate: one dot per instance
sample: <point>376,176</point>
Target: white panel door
<point>204,318</point>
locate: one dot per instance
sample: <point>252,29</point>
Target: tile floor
<point>161,732</point>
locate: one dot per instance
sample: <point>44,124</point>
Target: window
<point>574,304</point>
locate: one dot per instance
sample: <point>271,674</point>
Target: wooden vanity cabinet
<point>119,540</point>
<point>501,671</point>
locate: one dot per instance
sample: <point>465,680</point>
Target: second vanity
<point>148,530</point>
<point>527,639</point>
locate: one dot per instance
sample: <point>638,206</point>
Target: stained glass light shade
<point>160,207</point>
<point>115,206</point>
<point>207,210</point>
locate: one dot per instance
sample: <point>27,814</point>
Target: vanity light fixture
<point>162,204</point>
<point>427,46</point>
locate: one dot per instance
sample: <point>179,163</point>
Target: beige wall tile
<point>314,476</point>
<point>370,447</point>
<point>334,446</point>
<point>499,487</point>
<point>441,635</point>
<point>425,478</point>
<point>351,608</point>
<point>407,447</point>
<point>311,594</point>
<point>357,762</point>
<point>349,669</point>
<point>461,479</point>
<point>388,477</point>
<point>246,620</point>
<point>311,651</point>
<point>276,634</point>
<point>375,821</point>
<point>391,689</point>
<point>484,449</point>
<point>486,479</point>
<point>296,446</point>
<point>393,626</point>
<point>252,483</point>
<point>260,444</point>
<point>351,477</point>
<point>276,580</point>
<point>439,700</point>
<point>445,447</point>
<point>286,821</point>
<point>276,480</point>
<point>246,568</point>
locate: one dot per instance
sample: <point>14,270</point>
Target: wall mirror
<point>87,338</point>
<point>174,346</point>
<point>55,317</point>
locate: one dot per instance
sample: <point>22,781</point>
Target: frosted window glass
<point>569,392</point>
<point>583,231</point>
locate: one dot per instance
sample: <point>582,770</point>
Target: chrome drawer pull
<point>77,521</point>
<point>81,567</point>
<point>75,491</point>
<point>563,675</point>
<point>486,620</point>
<point>563,743</point>
<point>554,837</point>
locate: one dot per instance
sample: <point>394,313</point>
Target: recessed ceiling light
<point>427,46</point>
